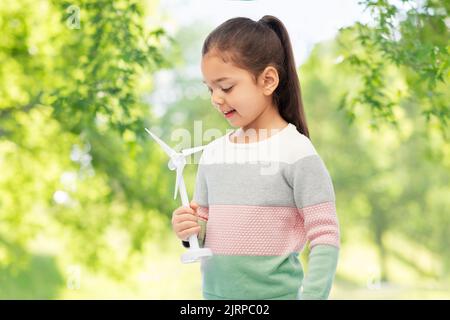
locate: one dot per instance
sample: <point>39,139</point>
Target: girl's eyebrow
<point>217,80</point>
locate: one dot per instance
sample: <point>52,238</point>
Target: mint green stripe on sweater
<point>270,277</point>
<point>252,277</point>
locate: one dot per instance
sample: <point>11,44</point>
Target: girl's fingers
<point>181,217</point>
<point>185,225</point>
<point>183,210</point>
<point>187,233</point>
<point>185,217</point>
<point>193,204</point>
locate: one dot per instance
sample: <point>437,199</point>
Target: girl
<point>255,220</point>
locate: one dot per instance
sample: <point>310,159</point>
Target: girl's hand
<point>184,221</point>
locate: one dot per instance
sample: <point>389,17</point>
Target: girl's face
<point>235,88</point>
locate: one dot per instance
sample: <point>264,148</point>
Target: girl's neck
<point>268,120</point>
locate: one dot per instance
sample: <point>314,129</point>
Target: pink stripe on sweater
<point>253,230</point>
<point>321,224</point>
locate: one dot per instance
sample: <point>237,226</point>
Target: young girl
<point>257,219</point>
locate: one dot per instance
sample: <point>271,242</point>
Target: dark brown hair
<point>255,45</point>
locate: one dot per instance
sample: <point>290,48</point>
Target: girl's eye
<point>227,89</point>
<point>224,89</point>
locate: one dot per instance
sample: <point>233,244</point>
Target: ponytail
<point>288,96</point>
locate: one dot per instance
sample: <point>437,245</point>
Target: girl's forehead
<point>215,68</point>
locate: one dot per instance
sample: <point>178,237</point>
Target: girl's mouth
<point>229,114</point>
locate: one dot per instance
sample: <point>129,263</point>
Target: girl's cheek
<point>244,105</point>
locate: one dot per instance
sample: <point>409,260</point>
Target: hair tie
<point>260,21</point>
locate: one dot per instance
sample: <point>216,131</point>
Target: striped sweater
<point>259,204</point>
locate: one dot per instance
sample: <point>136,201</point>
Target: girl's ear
<point>269,80</point>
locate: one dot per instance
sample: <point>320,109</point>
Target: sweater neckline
<point>260,142</point>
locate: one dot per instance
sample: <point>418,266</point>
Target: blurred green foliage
<point>73,150</point>
<point>414,37</point>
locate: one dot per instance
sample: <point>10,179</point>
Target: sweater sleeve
<point>201,198</point>
<point>315,199</point>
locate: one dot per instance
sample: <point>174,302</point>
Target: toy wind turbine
<point>177,162</point>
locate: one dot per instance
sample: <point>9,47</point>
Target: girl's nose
<point>216,100</point>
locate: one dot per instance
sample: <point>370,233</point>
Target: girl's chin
<point>233,118</point>
<point>234,122</point>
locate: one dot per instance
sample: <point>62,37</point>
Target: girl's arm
<point>321,270</point>
<point>315,199</point>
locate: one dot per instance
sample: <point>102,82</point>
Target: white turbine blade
<point>190,151</point>
<point>165,147</point>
